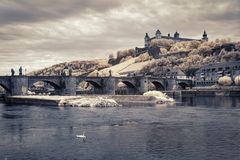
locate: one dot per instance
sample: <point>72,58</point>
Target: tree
<point>193,44</point>
<point>163,50</point>
<point>111,56</point>
<point>225,81</point>
<point>237,80</point>
<point>143,57</point>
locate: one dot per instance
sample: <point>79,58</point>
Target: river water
<point>191,129</point>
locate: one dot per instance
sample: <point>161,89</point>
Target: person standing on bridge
<point>70,70</point>
<point>12,72</point>
<point>110,73</point>
<point>20,71</point>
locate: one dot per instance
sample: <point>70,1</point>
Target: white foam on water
<point>161,97</point>
<point>89,102</point>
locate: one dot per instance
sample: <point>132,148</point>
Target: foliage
<point>198,54</point>
<point>78,67</point>
<point>225,81</point>
<point>162,42</point>
<point>186,55</point>
<point>143,57</point>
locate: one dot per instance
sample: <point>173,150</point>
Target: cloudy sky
<point>39,33</point>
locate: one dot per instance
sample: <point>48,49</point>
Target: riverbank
<point>122,100</point>
<point>118,100</point>
<point>205,92</point>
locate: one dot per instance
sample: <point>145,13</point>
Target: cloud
<point>51,31</point>
<point>15,11</point>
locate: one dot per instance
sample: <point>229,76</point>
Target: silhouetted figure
<point>63,73</point>
<point>110,73</point>
<point>12,72</point>
<point>70,71</point>
<point>58,72</point>
<point>97,74</point>
<point>20,71</point>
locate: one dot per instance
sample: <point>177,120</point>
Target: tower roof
<point>158,32</point>
<point>147,36</point>
<point>204,33</point>
<point>176,34</point>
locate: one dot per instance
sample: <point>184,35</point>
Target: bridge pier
<point>18,85</point>
<point>68,86</point>
<point>143,87</point>
<point>170,84</point>
<point>109,86</point>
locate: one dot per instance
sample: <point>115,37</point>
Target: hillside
<point>78,67</point>
<point>187,56</point>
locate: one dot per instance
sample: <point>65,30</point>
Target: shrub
<point>225,81</point>
<point>237,80</point>
<point>162,42</point>
<point>143,57</point>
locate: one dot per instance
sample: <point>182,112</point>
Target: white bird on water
<point>81,136</point>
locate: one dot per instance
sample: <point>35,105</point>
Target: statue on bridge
<point>20,71</point>
<point>70,70</point>
<point>12,72</point>
<point>110,73</point>
<point>63,73</point>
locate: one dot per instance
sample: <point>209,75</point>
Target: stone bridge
<point>67,85</point>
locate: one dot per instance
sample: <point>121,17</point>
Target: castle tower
<point>158,34</point>
<point>176,35</point>
<point>205,37</point>
<point>147,40</point>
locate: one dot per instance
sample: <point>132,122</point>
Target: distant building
<point>155,50</point>
<point>208,74</point>
<point>168,72</point>
<point>176,38</point>
<point>205,37</point>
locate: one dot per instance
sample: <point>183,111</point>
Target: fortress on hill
<point>176,37</point>
<point>154,50</point>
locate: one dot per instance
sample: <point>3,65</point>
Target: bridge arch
<point>53,84</point>
<point>158,85</point>
<point>93,83</point>
<point>125,87</point>
<point>88,86</point>
<point>7,90</point>
<point>128,84</point>
<point>53,87</point>
<point>183,85</point>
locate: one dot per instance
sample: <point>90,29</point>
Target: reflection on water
<point>227,102</point>
<point>194,128</point>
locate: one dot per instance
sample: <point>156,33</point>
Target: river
<point>192,129</point>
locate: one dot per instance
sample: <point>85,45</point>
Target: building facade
<point>209,74</point>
